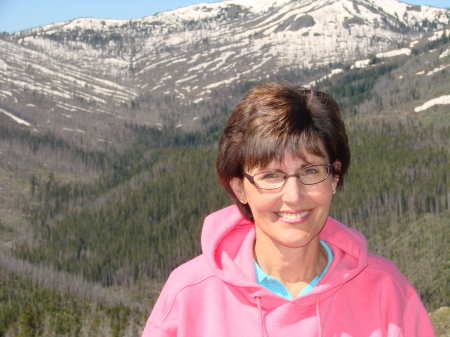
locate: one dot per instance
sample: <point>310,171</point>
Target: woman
<point>274,264</point>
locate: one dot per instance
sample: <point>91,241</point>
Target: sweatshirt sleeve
<point>416,320</point>
<point>151,330</point>
<point>163,320</point>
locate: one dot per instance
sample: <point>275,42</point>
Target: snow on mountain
<point>445,53</point>
<point>391,53</point>
<point>438,34</point>
<point>16,119</point>
<point>435,101</point>
<point>102,66</point>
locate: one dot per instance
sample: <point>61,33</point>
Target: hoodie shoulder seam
<point>179,291</point>
<point>393,278</point>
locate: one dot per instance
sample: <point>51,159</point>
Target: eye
<point>270,176</point>
<point>308,171</point>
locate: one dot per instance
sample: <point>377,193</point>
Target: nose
<point>293,190</point>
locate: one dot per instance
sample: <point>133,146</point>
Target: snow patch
<point>5,93</point>
<point>186,79</point>
<point>71,130</point>
<point>218,84</point>
<point>18,120</point>
<point>437,35</point>
<point>333,72</point>
<point>445,53</point>
<point>435,101</point>
<point>392,53</point>
<point>361,64</point>
<point>3,65</point>
<point>434,71</point>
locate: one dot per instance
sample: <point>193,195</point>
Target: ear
<point>336,168</point>
<point>237,185</point>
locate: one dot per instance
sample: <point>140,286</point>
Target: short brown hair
<point>273,118</point>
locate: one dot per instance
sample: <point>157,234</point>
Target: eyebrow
<point>268,169</point>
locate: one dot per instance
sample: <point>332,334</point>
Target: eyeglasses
<point>271,180</point>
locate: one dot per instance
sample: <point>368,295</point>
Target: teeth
<point>292,216</point>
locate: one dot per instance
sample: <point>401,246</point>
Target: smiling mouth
<point>292,216</point>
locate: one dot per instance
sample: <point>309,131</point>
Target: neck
<point>294,267</point>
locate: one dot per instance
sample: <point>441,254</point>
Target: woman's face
<point>291,216</point>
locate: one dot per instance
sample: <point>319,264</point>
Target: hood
<point>227,244</point>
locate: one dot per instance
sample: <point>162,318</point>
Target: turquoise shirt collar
<point>278,288</point>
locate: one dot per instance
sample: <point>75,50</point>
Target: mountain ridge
<point>158,69</point>
<point>208,10</point>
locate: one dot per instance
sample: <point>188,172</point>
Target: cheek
<point>262,203</point>
<point>318,195</point>
<point>329,186</point>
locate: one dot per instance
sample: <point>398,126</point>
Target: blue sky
<point>17,15</point>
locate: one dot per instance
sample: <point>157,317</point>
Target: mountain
<point>79,76</point>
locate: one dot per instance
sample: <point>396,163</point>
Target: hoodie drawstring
<point>319,324</point>
<point>258,302</point>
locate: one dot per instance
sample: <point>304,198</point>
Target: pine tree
<point>26,322</point>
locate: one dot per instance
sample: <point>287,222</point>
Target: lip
<point>293,217</point>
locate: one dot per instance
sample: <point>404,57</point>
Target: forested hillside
<point>90,234</point>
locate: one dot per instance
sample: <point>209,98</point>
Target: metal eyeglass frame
<point>286,176</point>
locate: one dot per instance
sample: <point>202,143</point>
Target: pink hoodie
<point>216,295</point>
